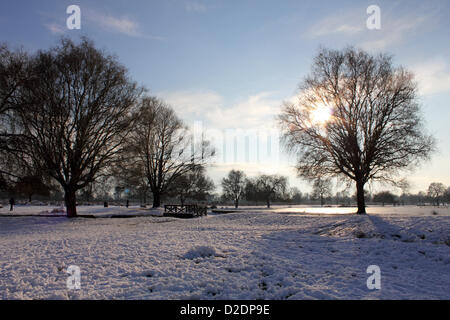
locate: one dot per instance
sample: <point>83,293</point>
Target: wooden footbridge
<point>185,211</point>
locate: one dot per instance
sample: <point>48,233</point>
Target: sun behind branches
<point>321,114</point>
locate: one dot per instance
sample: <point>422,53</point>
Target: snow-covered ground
<point>243,255</point>
<point>96,211</point>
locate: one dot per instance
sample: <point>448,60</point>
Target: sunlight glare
<point>321,114</point>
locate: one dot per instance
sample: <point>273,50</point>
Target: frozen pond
<point>378,210</point>
<point>408,210</point>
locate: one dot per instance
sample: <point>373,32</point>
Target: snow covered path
<point>233,256</point>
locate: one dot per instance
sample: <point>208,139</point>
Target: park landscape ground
<point>282,253</point>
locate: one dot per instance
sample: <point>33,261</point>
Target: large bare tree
<point>358,116</point>
<point>163,146</point>
<point>75,114</point>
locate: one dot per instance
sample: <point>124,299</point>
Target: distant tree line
<point>263,188</point>
<point>437,194</point>
<point>267,189</point>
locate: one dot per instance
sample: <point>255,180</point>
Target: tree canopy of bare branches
<point>162,145</point>
<point>356,116</point>
<point>75,114</point>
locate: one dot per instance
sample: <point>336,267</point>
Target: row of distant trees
<point>274,188</point>
<point>262,188</point>
<point>72,117</point>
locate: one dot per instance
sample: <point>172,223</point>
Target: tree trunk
<point>360,197</point>
<point>236,203</point>
<point>71,203</point>
<point>182,200</point>
<point>268,203</point>
<point>156,199</point>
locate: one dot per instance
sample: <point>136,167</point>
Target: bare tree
<point>14,74</point>
<point>271,186</point>
<point>436,192</point>
<point>193,185</point>
<point>75,114</point>
<point>321,189</point>
<point>357,116</point>
<point>233,186</point>
<point>162,145</point>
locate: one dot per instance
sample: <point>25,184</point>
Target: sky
<point>227,66</point>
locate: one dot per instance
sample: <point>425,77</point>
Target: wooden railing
<point>184,211</point>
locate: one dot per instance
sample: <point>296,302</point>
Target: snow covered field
<point>244,255</point>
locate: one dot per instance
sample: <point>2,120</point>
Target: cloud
<point>193,6</point>
<point>393,32</point>
<point>433,76</point>
<point>123,25</point>
<point>243,132</point>
<point>254,111</point>
<point>351,26</point>
<point>55,28</point>
<point>193,104</point>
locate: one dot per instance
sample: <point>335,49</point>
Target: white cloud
<point>193,104</point>
<point>124,25</point>
<point>433,76</point>
<point>244,133</point>
<point>393,32</point>
<point>351,26</point>
<point>55,28</point>
<point>121,25</point>
<point>194,6</point>
<point>254,111</point>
